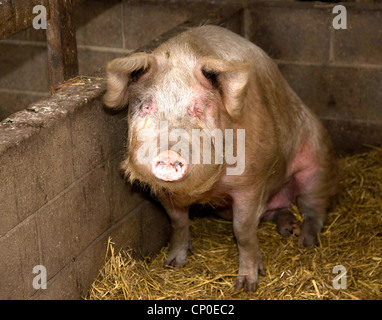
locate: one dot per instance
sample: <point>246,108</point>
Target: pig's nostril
<point>177,164</point>
<point>169,166</point>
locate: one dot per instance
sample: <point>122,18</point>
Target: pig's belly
<point>301,174</point>
<point>284,197</point>
<point>281,199</point>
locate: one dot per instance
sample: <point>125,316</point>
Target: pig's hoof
<point>175,263</point>
<point>286,223</point>
<point>308,239</point>
<point>309,235</point>
<point>178,257</point>
<point>246,283</point>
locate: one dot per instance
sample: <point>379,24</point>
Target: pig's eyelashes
<point>211,76</point>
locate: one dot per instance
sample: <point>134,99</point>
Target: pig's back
<point>212,41</point>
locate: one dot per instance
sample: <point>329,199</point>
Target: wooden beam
<point>61,41</point>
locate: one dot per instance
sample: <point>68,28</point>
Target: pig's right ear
<point>121,72</point>
<point>229,77</point>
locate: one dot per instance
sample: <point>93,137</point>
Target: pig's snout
<point>169,166</point>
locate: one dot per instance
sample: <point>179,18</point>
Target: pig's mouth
<point>169,166</point>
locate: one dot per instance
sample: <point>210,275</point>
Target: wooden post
<point>61,40</point>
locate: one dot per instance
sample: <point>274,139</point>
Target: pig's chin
<point>197,180</point>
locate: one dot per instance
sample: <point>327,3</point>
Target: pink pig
<point>212,85</point>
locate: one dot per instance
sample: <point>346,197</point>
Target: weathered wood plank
<point>61,41</point>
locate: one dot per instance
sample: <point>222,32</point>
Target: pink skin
<point>169,166</point>
<point>148,109</point>
<point>228,94</point>
<point>196,111</point>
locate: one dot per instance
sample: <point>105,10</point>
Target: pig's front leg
<point>180,241</point>
<point>246,217</point>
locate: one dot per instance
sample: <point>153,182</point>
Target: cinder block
<point>127,232</point>
<point>339,92</point>
<point>350,137</point>
<point>92,195</point>
<point>42,166</point>
<point>291,32</point>
<point>146,229</point>
<point>92,61</point>
<point>8,198</point>
<point>144,21</point>
<point>235,22</point>
<point>55,225</point>
<point>71,222</point>
<point>24,68</point>
<point>12,286</point>
<point>95,136</point>
<point>19,254</point>
<point>89,262</point>
<point>361,42</point>
<point>124,198</point>
<point>156,228</point>
<point>63,286</point>
<point>99,23</point>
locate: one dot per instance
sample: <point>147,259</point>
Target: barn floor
<point>352,239</point>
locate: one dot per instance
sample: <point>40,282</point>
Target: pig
<point>209,78</point>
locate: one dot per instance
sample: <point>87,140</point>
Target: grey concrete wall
<point>104,30</point>
<point>62,195</point>
<point>337,73</point>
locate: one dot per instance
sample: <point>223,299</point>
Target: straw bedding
<point>352,238</point>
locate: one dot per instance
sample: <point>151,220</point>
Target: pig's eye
<point>211,76</point>
<point>136,74</point>
<point>135,104</point>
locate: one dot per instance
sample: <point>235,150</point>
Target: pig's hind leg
<point>315,185</point>
<point>314,173</point>
<point>312,201</point>
<point>278,210</point>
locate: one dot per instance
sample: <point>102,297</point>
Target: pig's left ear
<point>229,77</point>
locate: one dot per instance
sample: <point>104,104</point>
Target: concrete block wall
<point>337,73</point>
<point>62,195</point>
<point>104,30</point>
